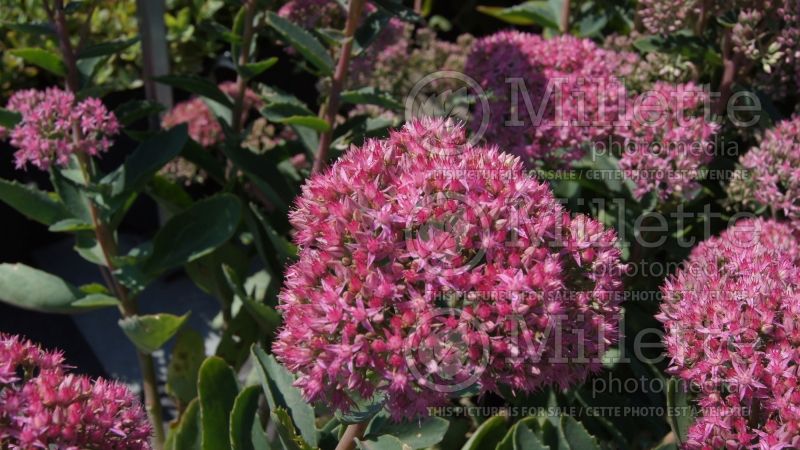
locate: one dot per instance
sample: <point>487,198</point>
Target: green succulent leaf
<point>9,119</point>
<point>32,203</point>
<point>286,431</point>
<point>106,48</point>
<point>528,13</point>
<point>244,417</point>
<point>488,435</point>
<point>198,86</point>
<point>149,333</point>
<point>257,68</point>
<point>217,390</point>
<point>36,290</point>
<point>188,432</point>
<point>302,41</point>
<point>186,358</point>
<point>45,59</point>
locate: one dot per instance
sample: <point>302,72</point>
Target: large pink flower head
<point>770,173</point>
<point>549,99</point>
<point>428,266</point>
<point>667,139</point>
<point>54,127</point>
<point>731,320</point>
<point>42,406</point>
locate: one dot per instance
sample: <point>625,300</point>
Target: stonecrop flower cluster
<point>731,320</point>
<point>54,126</point>
<point>570,83</point>
<point>770,172</point>
<point>667,139</point>
<point>43,406</point>
<point>428,266</point>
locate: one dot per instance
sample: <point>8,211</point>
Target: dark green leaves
<point>32,203</point>
<point>106,48</point>
<point>39,57</point>
<point>302,41</point>
<point>243,418</point>
<point>194,233</point>
<point>187,357</point>
<point>277,383</point>
<point>150,333</point>
<point>371,96</point>
<point>487,435</point>
<point>198,86</point>
<point>217,389</point>
<point>9,119</point>
<point>29,288</point>
<point>529,13</point>
<point>257,68</point>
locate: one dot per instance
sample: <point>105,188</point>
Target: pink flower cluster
<point>731,320</point>
<point>770,174</point>
<point>569,82</point>
<point>667,16</point>
<point>43,406</point>
<point>203,125</point>
<point>428,266</point>
<point>667,139</point>
<point>54,127</point>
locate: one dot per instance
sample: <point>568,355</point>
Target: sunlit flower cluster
<point>428,265</point>
<point>770,173</point>
<point>668,139</point>
<point>54,126</point>
<point>731,320</point>
<point>43,406</point>
<point>549,99</point>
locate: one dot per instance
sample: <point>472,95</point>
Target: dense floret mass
<point>43,406</point>
<point>550,100</point>
<point>428,266</point>
<point>730,316</point>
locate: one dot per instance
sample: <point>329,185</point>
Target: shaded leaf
<point>45,59</point>
<point>302,41</point>
<point>198,86</point>
<point>33,289</point>
<point>32,203</point>
<point>217,390</point>
<point>186,358</point>
<point>244,417</point>
<point>150,332</point>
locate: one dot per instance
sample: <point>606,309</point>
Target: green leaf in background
<point>312,122</point>
<point>244,417</point>
<point>397,9</point>
<point>149,333</point>
<point>36,290</point>
<point>678,402</point>
<point>528,13</point>
<point>186,358</point>
<point>302,41</point>
<point>267,318</point>
<point>488,435</point>
<point>45,59</point>
<point>194,233</point>
<point>385,442</point>
<point>106,48</point>
<point>35,28</point>
<point>371,96</point>
<point>415,434</point>
<point>9,119</point>
<point>188,432</point>
<point>257,68</point>
<point>286,432</point>
<point>524,439</point>
<point>70,226</point>
<point>198,86</point>
<point>264,173</point>
<point>92,301</point>
<point>148,158</point>
<point>278,387</point>
<point>32,203</point>
<point>130,112</point>
<point>217,389</point>
<point>576,436</point>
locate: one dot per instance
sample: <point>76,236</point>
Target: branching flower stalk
<point>244,59</point>
<point>104,235</point>
<point>339,77</point>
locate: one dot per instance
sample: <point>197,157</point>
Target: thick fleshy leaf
<point>32,203</point>
<point>9,119</point>
<point>385,442</point>
<point>312,122</point>
<point>194,233</point>
<point>188,431</point>
<point>678,401</point>
<point>286,431</point>
<point>198,86</point>
<point>217,389</point>
<point>576,436</point>
<point>184,365</point>
<point>29,288</point>
<point>149,333</point>
<point>106,48</point>
<point>524,439</point>
<point>278,387</point>
<point>488,435</point>
<point>45,59</point>
<point>134,110</point>
<point>371,96</point>
<point>147,160</point>
<point>528,13</point>
<point>302,41</point>
<point>244,417</point>
<point>412,435</point>
<point>257,68</point>
<point>267,318</point>
<point>397,9</point>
